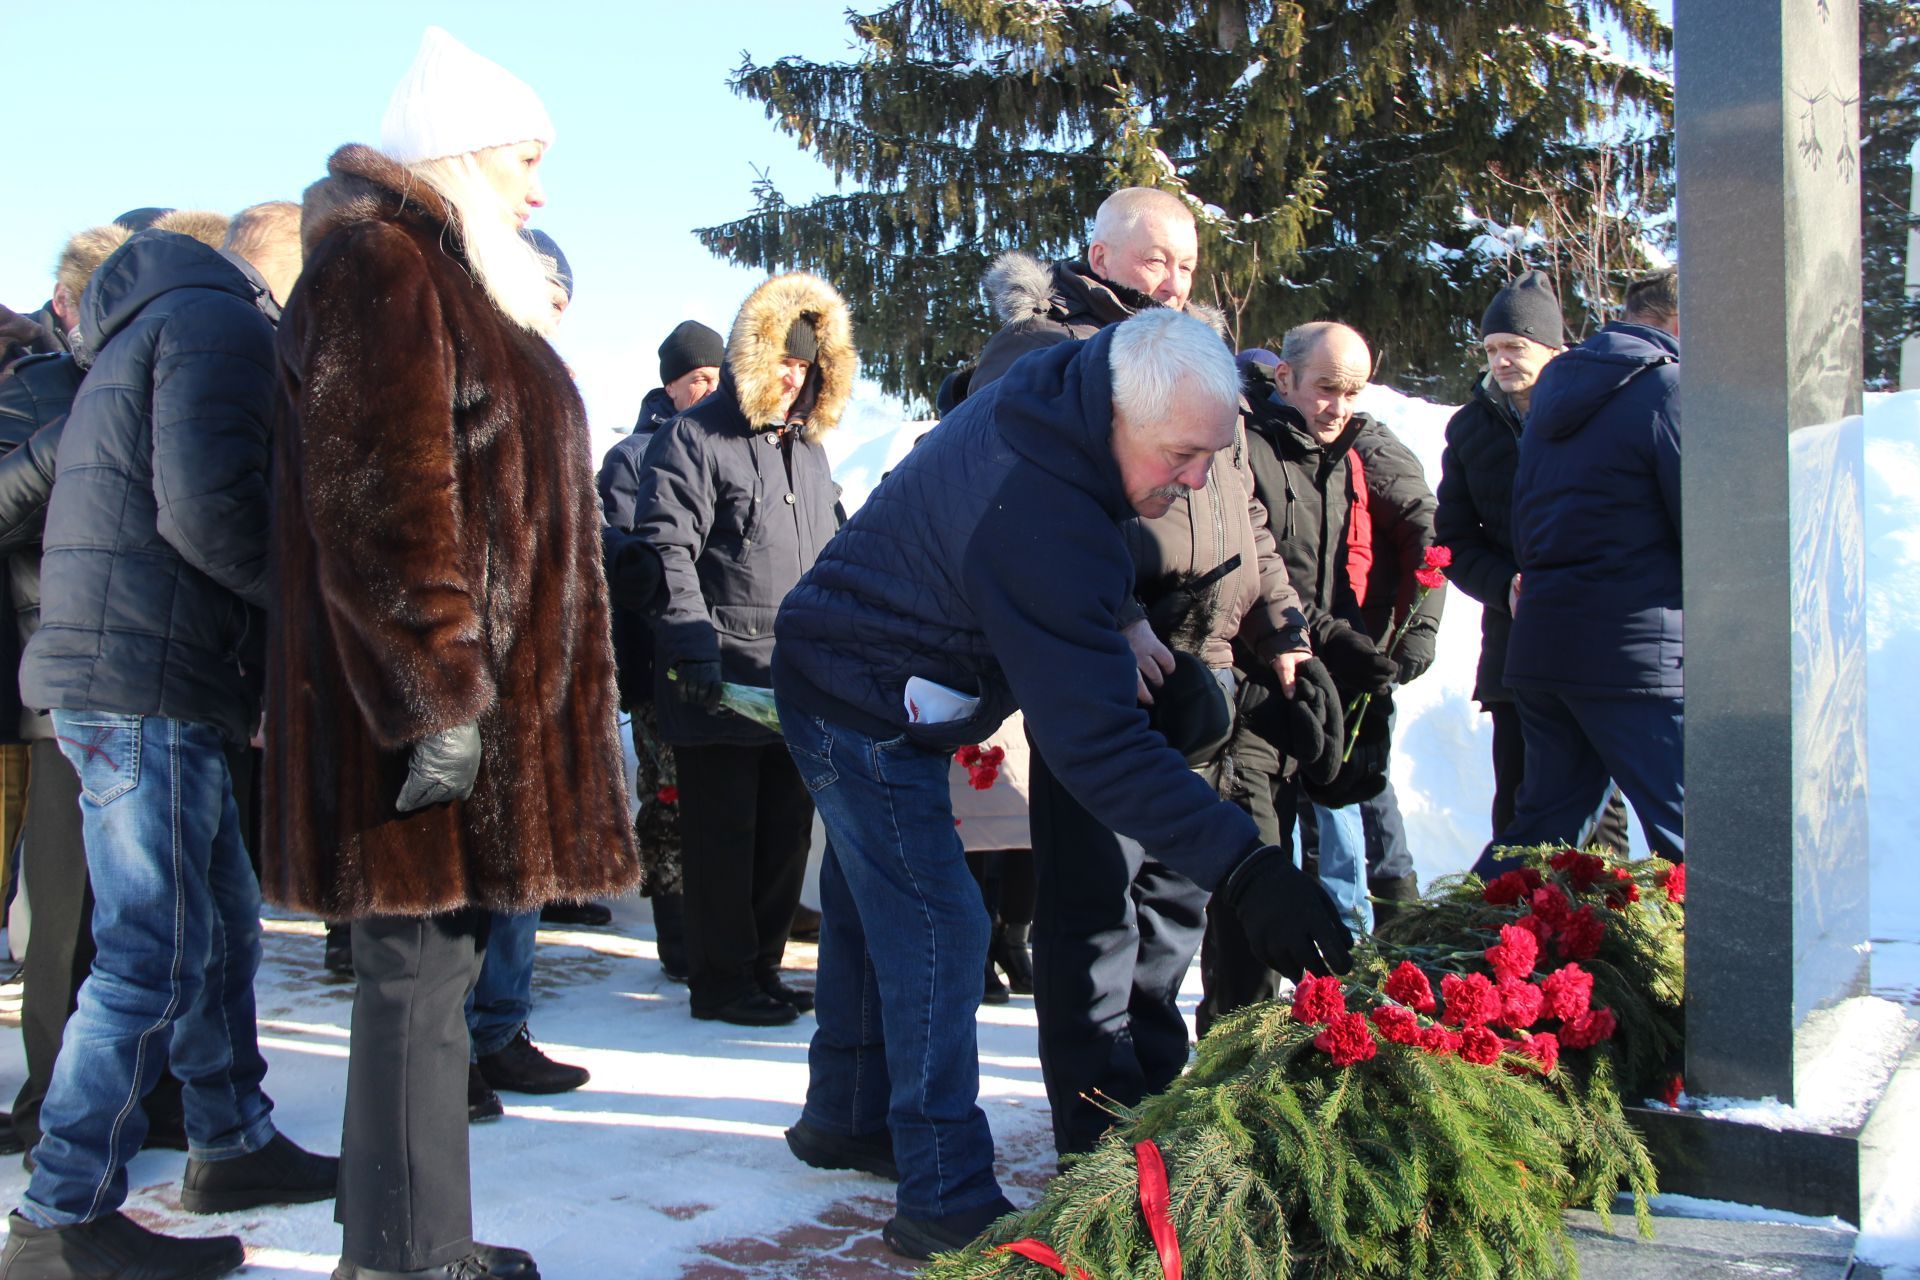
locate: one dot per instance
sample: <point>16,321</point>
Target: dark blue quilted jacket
<point>1596,521</point>
<point>992,561</point>
<point>154,568</point>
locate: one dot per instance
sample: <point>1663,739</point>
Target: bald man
<point>1143,254</point>
<point>1302,439</point>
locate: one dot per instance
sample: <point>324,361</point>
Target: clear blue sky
<point>218,104</point>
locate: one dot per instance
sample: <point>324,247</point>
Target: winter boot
<point>113,1247</point>
<point>865,1153</point>
<point>486,1262</point>
<point>806,924</point>
<point>994,990</point>
<point>592,915</point>
<point>278,1173</point>
<point>1013,952</point>
<point>921,1238</point>
<point>521,1068</point>
<point>483,1104</point>
<point>1390,898</point>
<point>798,997</point>
<point>337,959</point>
<point>670,936</point>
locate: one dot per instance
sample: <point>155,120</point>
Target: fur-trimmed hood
<point>758,343</point>
<point>1019,287</point>
<point>366,185</point>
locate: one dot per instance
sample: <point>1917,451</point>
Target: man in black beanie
<point>690,360</point>
<point>1520,332</point>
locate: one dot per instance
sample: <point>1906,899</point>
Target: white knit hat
<point>452,101</point>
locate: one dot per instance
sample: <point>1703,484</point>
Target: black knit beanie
<point>802,342</point>
<point>1528,307</point>
<point>690,346</point>
<point>548,248</point>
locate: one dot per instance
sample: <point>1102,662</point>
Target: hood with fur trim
<point>1020,286</point>
<point>758,343</point>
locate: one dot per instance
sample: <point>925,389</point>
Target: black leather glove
<point>1364,774</point>
<point>1290,920</point>
<point>1355,662</point>
<point>443,767</point>
<point>1306,728</point>
<point>696,682</point>
<point>1415,653</point>
<point>635,579</point>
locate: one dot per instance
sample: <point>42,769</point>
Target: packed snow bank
<point>1846,1055</point>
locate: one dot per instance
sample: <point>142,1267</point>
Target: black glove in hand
<point>696,683</point>
<point>443,767</point>
<point>1306,728</point>
<point>1290,920</point>
<point>1415,653</point>
<point>1355,662</point>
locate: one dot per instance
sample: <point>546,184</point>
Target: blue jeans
<point>1343,862</point>
<point>903,942</point>
<point>176,924</point>
<point>501,1001</point>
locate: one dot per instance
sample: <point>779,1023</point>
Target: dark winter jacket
<point>33,413</point>
<point>1475,521</point>
<point>1309,492</point>
<point>991,560</point>
<point>439,555</point>
<point>33,334</point>
<point>739,507</point>
<point>1400,506</point>
<point>155,548</point>
<point>1596,521</point>
<point>619,485</point>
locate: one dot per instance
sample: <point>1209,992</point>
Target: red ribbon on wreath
<point>1155,1204</point>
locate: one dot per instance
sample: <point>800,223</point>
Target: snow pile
<point>1845,1056</point>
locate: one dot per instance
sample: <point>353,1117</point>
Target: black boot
<point>483,1104</point>
<point>521,1068</point>
<point>113,1247</point>
<point>670,935</point>
<point>1013,952</point>
<point>799,998</point>
<point>486,1262</point>
<point>921,1238</point>
<point>806,924</point>
<point>278,1173</point>
<point>337,959</point>
<point>865,1153</point>
<point>592,915</point>
<point>993,991</point>
<point>1390,897</point>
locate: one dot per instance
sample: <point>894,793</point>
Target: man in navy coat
<point>1595,655</point>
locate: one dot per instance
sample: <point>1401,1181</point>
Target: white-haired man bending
<point>984,574</point>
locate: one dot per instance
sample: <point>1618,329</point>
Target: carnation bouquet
<point>1431,1114</point>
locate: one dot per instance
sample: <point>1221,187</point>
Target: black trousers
<point>745,823</point>
<point>60,950</point>
<point>1510,765</point>
<point>405,1200</point>
<point>1114,933</point>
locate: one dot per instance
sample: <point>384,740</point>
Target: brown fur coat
<point>438,544</point>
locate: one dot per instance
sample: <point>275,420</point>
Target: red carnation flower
<point>968,756</point>
<point>993,756</point>
<point>1439,557</point>
<point>1580,935</point>
<point>1514,886</point>
<point>1543,1048</point>
<point>1408,985</point>
<point>1671,1094</point>
<point>1628,892</point>
<point>1481,1046</point>
<point>1568,991</point>
<point>1439,1041</point>
<point>1674,881</point>
<point>1472,1001</point>
<point>1589,1029</point>
<point>1347,1040</point>
<point>1520,1004</point>
<point>1319,1000</point>
<point>1431,579</point>
<point>1513,957</point>
<point>1542,931</point>
<point>1583,869</point>
<point>1397,1024</point>
<point>1551,904</point>
<point>668,795</point>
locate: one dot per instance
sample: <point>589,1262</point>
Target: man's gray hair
<point>1124,210</point>
<point>1161,358</point>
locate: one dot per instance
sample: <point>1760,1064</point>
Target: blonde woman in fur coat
<point>441,738</point>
